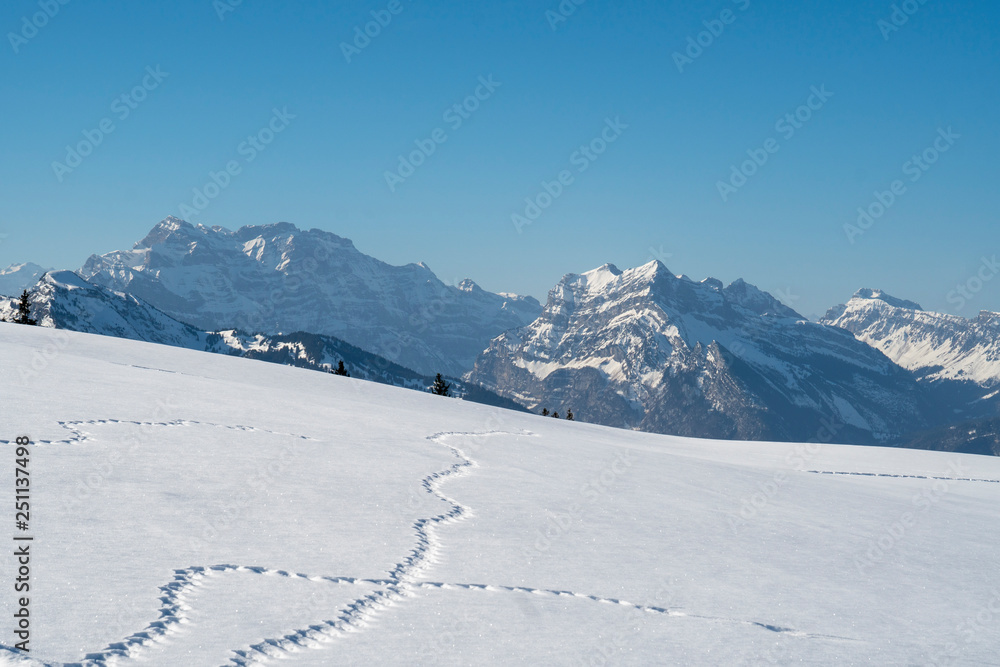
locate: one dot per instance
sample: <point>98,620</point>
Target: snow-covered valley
<point>197,509</point>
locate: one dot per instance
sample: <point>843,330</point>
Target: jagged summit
<point>942,346</point>
<point>277,277</point>
<point>757,300</point>
<point>598,278</point>
<point>643,348</point>
<point>654,278</point>
<point>879,295</point>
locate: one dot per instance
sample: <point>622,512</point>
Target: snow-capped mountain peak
<point>18,277</point>
<point>879,295</point>
<point>645,348</point>
<point>68,280</point>
<point>276,277</point>
<point>937,345</point>
<point>598,279</point>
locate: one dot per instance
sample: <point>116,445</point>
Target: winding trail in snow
<point>404,580</point>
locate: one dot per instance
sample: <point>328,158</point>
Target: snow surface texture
<point>945,347</point>
<point>278,278</point>
<point>194,509</point>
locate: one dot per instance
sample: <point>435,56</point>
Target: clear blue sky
<point>655,187</point>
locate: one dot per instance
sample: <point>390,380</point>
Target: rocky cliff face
<point>277,278</point>
<point>646,349</point>
<point>935,345</point>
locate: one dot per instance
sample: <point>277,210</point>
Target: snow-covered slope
<point>646,349</point>
<point>64,300</point>
<point>939,346</point>
<point>18,277</point>
<point>277,278</point>
<point>198,510</point>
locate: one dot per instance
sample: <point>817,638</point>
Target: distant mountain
<point>64,300</point>
<point>277,278</point>
<point>935,345</point>
<point>649,350</point>
<point>642,348</point>
<point>976,436</point>
<point>18,277</point>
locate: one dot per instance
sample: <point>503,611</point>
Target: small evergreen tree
<point>556,415</point>
<point>569,414</point>
<point>23,315</point>
<point>440,387</point>
<point>545,412</point>
<point>341,370</point>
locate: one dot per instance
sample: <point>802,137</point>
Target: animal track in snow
<point>650,609</point>
<point>886,474</point>
<point>404,580</point>
<point>79,436</point>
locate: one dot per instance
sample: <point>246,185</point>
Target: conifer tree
<point>545,412</point>
<point>556,415</point>
<point>23,315</point>
<point>440,387</point>
<point>341,370</point>
<point>569,414</point>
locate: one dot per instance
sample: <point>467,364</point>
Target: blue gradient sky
<point>655,187</point>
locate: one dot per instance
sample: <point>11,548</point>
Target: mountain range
<point>641,348</point>
<point>18,277</point>
<point>64,300</point>
<point>649,350</point>
<point>937,346</point>
<point>276,278</point>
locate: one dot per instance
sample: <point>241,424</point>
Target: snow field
<point>194,509</point>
